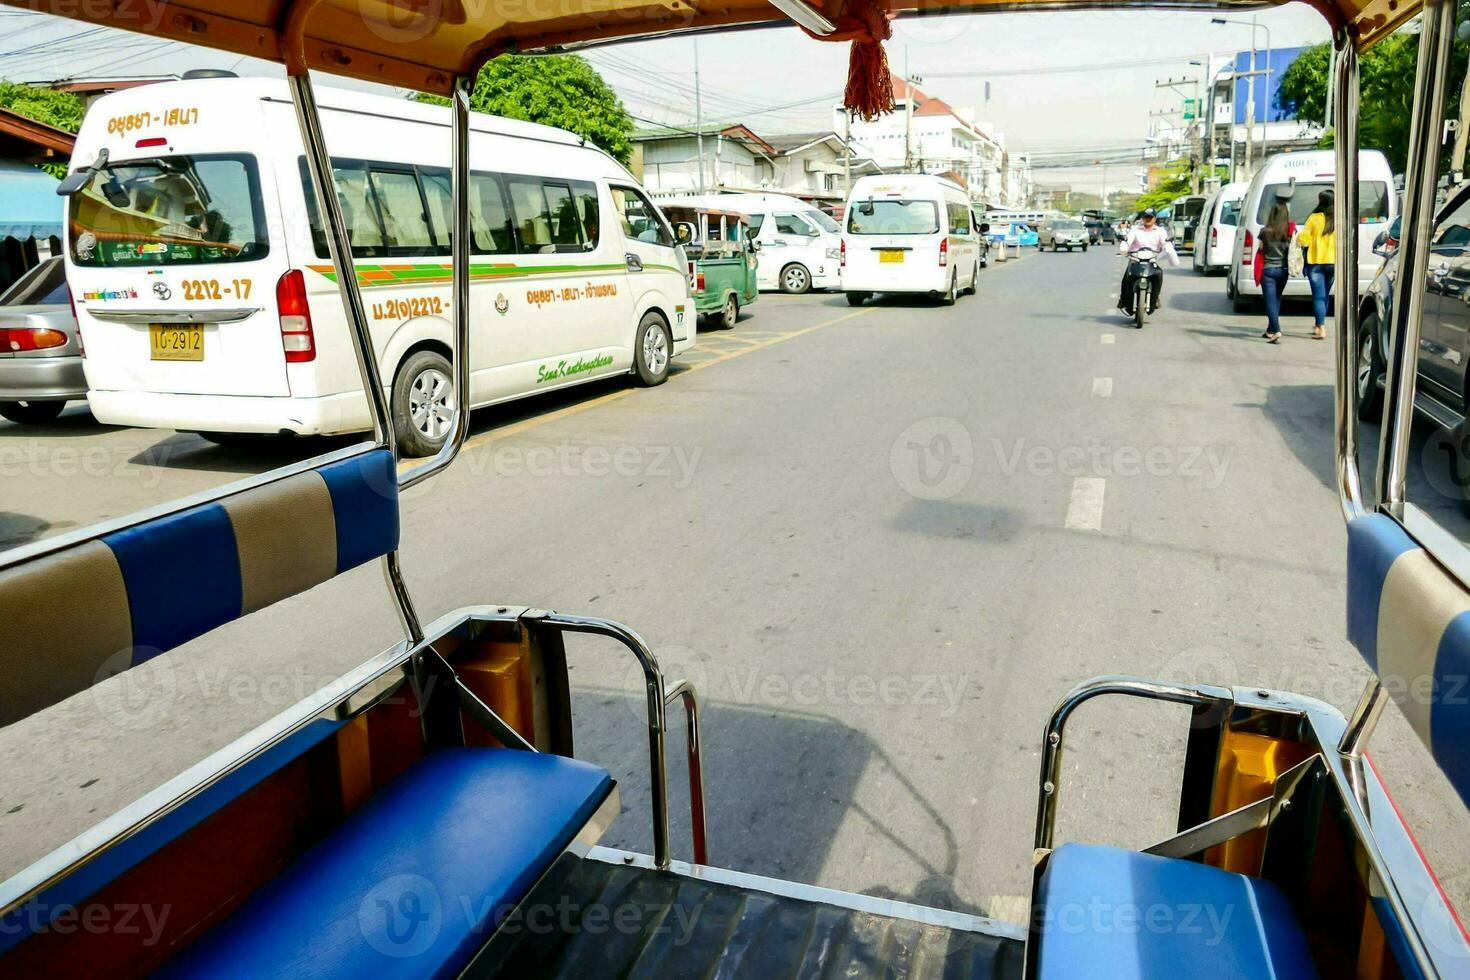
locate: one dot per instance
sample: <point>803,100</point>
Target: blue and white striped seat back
<point>72,617</point>
<point>1410,619</point>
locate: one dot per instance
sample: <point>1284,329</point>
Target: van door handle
<point>635,264</point>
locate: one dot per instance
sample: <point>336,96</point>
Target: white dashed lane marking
<point>1102,387</point>
<point>1085,511</point>
<point>1108,338</point>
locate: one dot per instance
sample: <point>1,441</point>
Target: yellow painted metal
<point>1248,767</point>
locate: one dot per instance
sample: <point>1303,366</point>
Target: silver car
<point>1063,233</point>
<point>40,350</point>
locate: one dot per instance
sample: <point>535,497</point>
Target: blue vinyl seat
<point>1111,914</point>
<point>418,879</point>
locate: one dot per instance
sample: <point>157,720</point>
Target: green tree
<point>564,91</point>
<point>1386,80</point>
<point>1177,180</point>
<point>60,109</point>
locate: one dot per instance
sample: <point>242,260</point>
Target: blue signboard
<point>1266,85</point>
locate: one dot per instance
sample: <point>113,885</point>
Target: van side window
<point>640,219</point>
<point>359,210</point>
<point>590,212</point>
<point>488,211</point>
<point>532,219</point>
<point>756,220</point>
<point>791,224</point>
<point>959,219</point>
<point>566,222</point>
<point>405,219</point>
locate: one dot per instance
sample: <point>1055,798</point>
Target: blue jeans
<point>1321,276</point>
<point>1273,281</point>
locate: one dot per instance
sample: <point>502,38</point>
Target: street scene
<point>750,455</point>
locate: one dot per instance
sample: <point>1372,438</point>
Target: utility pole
<point>1462,126</point>
<point>847,154</point>
<point>698,117</point>
<point>908,110</point>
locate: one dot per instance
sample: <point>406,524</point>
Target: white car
<point>1215,243</point>
<point>909,233</point>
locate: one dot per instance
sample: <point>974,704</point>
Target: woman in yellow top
<point>1319,238</point>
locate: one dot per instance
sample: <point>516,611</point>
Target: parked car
<point>1216,241</point>
<point>1184,220</point>
<point>1442,393</point>
<point>1013,234</point>
<point>1099,231</point>
<point>800,245</point>
<point>1060,233</point>
<point>40,349</point>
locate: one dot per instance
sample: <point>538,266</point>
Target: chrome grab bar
<point>231,315</point>
<point>1345,315</point>
<point>658,695</point>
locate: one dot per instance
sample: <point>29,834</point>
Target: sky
<point>780,81</point>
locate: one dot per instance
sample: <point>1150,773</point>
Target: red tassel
<point>869,92</point>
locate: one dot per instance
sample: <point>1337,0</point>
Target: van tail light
<point>1214,237</point>
<point>943,252</point>
<point>1247,250</point>
<point>842,255</point>
<point>22,339</point>
<point>297,340</point>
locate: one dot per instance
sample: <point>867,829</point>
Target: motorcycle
<point>1143,266</point>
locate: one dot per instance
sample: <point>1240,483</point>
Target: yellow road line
<point>525,424</point>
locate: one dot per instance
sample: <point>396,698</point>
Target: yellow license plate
<point>890,255</point>
<point>176,343</point>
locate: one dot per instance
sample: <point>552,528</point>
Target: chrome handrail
<point>1345,318</point>
<point>459,250</point>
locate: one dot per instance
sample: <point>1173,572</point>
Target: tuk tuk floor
<point>614,915</point>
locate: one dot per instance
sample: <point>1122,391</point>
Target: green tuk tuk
<point>722,259</point>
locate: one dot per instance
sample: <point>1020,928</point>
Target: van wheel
<point>949,294</point>
<point>795,279</point>
<point>423,403</point>
<point>652,347</point>
<point>1369,368</point>
<point>31,413</point>
<point>730,314</point>
<point>856,299</point>
<point>974,280</point>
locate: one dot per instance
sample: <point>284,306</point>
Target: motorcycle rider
<point>1146,234</point>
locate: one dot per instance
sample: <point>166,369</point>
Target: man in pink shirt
<point>1147,234</point>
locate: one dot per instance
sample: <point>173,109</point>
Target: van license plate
<point>176,343</point>
<point>890,255</point>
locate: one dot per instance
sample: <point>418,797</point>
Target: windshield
<point>822,220</point>
<point>1230,212</point>
<point>1372,199</point>
<point>1066,224</point>
<point>893,217</point>
<point>177,210</point>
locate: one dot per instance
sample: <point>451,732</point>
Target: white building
<point>928,135</point>
<point>811,166</point>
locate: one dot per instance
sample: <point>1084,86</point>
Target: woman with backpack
<point>1319,238</point>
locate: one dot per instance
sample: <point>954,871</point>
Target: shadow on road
<point>19,529</point>
<point>959,521</point>
<point>762,766</point>
<point>74,423</point>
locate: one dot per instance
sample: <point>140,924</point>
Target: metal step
<point>611,919</point>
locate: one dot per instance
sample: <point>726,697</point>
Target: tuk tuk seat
<point>1409,618</point>
<point>95,608</point>
<point>412,884</point>
<point>1109,912</point>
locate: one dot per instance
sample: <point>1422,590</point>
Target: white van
<point>1314,172</point>
<point>1215,242</point>
<point>208,302</point>
<point>909,233</point>
<point>800,244</point>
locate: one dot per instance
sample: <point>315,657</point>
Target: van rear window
<point>1372,199</point>
<point>175,210</point>
<point>892,216</point>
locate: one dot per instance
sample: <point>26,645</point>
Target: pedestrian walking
<point>1319,238</point>
<point>1271,271</point>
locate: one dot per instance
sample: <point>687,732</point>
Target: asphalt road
<point>883,542</point>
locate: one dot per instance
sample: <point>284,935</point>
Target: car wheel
<point>1084,248</point>
<point>1369,368</point>
<point>423,403</point>
<point>795,279</point>
<point>949,294</point>
<point>974,280</point>
<point>856,299</point>
<point>729,313</point>
<point>1229,287</point>
<point>652,347</point>
<point>31,413</point>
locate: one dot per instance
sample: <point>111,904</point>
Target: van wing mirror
<point>984,227</point>
<point>865,208</point>
<point>78,179</point>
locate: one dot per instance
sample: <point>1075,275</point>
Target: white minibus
<point>1313,172</point>
<point>1215,242</point>
<point>207,301</point>
<point>799,242</point>
<point>909,233</point>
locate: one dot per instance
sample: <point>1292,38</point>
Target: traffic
<point>468,516</point>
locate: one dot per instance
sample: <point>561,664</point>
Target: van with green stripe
<point>207,300</point>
